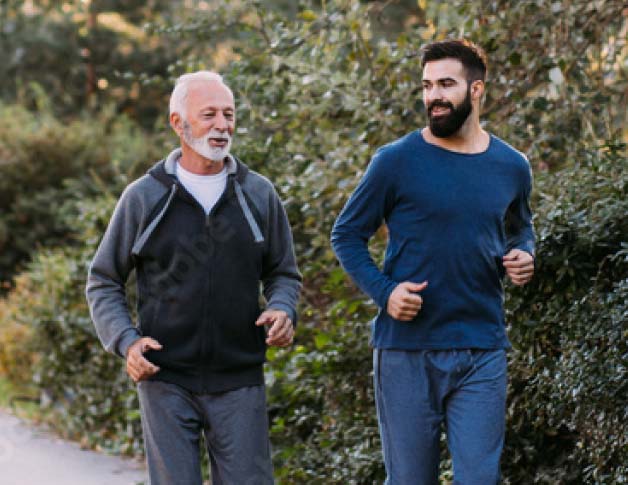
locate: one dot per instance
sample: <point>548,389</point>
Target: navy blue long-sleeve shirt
<point>451,218</point>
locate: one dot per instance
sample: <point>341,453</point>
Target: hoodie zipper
<point>205,330</point>
<point>207,341</point>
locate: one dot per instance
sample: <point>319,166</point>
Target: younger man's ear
<point>477,89</point>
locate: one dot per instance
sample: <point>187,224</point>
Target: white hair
<point>180,91</point>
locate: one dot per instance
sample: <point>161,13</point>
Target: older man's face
<point>210,120</point>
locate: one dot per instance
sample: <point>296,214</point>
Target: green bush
<point>83,390</point>
<point>50,175</point>
<point>17,355</point>
<point>45,163</point>
<point>568,370</point>
<point>75,51</point>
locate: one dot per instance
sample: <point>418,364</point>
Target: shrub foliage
<point>46,162</point>
<point>316,95</point>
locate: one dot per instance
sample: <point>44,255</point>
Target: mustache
<point>439,104</point>
<point>218,135</point>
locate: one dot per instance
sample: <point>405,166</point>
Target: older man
<point>202,231</point>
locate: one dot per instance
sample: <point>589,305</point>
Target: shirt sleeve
<point>364,212</point>
<point>518,223</point>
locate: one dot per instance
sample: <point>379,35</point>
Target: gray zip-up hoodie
<point>198,276</point>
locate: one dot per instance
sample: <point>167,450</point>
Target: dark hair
<point>472,56</point>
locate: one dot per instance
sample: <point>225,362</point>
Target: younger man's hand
<point>519,266</point>
<point>404,302</point>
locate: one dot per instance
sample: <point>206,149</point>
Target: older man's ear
<point>176,123</point>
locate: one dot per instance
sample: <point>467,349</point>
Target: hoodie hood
<point>165,172</point>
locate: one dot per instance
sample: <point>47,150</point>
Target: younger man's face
<point>447,96</point>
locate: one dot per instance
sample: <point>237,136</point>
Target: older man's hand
<point>137,366</point>
<point>281,332</point>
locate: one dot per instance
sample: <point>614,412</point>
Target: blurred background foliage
<point>77,50</point>
<point>319,86</point>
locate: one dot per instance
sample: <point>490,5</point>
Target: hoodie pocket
<point>238,341</point>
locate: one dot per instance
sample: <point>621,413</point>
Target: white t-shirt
<point>206,189</point>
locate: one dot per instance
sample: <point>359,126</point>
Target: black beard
<point>445,126</point>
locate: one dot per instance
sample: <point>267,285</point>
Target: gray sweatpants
<point>235,424</point>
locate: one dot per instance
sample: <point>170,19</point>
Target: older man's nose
<point>220,122</point>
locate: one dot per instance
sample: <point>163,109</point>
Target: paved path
<point>31,456</point>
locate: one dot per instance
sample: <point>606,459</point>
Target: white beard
<point>201,144</point>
